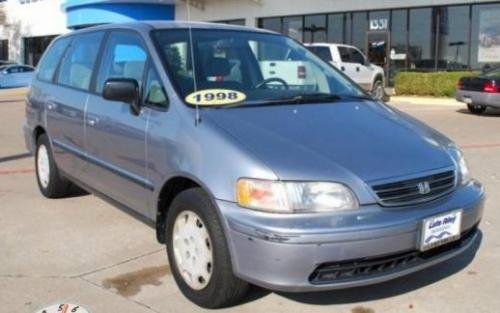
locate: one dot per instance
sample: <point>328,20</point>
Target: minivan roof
<point>158,24</point>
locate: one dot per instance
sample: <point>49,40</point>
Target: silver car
<point>247,180</point>
<point>15,75</point>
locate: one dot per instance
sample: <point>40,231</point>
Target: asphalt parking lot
<point>82,250</point>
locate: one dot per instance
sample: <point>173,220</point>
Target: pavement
<point>82,250</point>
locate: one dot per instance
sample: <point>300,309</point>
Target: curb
<point>13,92</point>
<point>451,102</point>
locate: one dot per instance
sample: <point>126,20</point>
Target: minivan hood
<point>323,141</point>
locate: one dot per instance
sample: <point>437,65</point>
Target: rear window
<point>49,63</point>
<point>323,52</point>
<point>78,63</point>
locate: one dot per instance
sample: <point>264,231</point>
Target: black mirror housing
<point>125,90</point>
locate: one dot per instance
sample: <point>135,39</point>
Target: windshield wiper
<point>307,98</point>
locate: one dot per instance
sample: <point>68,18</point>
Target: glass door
<point>377,48</point>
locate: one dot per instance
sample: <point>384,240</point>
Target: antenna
<point>197,118</point>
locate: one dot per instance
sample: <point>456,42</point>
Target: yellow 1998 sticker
<point>214,97</point>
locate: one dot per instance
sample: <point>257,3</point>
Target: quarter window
<point>78,63</point>
<point>49,63</point>
<point>154,93</point>
<point>124,57</point>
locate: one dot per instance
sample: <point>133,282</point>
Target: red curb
<point>480,146</point>
<point>20,171</point>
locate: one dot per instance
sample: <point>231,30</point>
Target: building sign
<point>379,24</point>
<point>489,36</point>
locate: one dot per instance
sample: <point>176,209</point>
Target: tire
<point>50,182</point>
<point>476,108</point>
<point>219,286</point>
<point>378,91</point>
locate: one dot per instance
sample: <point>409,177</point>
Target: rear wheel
<point>476,108</point>
<point>198,253</point>
<point>50,182</point>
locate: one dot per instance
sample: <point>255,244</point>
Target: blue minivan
<point>298,182</point>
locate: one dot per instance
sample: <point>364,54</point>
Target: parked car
<point>15,75</point>
<point>480,92</point>
<point>354,64</point>
<point>246,181</point>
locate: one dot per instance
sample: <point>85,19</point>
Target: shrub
<point>436,84</point>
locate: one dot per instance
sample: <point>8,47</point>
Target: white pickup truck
<point>354,64</point>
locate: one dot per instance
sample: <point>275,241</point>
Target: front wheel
<point>378,91</point>
<point>476,108</point>
<point>198,253</point>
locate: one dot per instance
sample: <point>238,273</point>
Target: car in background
<point>15,75</point>
<point>354,64</point>
<point>480,92</point>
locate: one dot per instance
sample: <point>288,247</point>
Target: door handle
<point>342,68</point>
<point>357,69</point>
<point>51,106</point>
<point>92,121</point>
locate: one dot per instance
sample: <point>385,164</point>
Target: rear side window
<point>78,63</point>
<point>124,57</point>
<point>14,70</point>
<point>49,63</point>
<point>322,52</point>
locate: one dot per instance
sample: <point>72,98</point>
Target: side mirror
<point>125,90</point>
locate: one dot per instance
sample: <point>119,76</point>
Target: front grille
<point>416,190</point>
<point>330,273</point>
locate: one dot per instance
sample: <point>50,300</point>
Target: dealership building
<point>400,35</point>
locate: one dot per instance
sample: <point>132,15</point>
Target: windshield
<point>263,67</point>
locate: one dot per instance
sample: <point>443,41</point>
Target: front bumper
<point>481,98</point>
<point>285,252</point>
<point>28,138</point>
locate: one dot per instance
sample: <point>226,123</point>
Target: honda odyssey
<point>289,184</point>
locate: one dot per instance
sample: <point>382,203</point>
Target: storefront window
<point>421,39</point>
<point>273,24</point>
<point>293,26</point>
<point>399,35</point>
<point>4,49</point>
<point>453,39</point>
<point>485,42</point>
<point>348,28</point>
<point>336,28</point>
<point>315,28</point>
<point>359,28</point>
<point>34,48</point>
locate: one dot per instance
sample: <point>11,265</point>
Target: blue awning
<point>82,13</point>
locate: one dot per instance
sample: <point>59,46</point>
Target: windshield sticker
<point>215,97</point>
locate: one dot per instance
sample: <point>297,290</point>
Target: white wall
<point>33,18</point>
<point>251,10</point>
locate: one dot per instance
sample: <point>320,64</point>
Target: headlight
<point>294,197</point>
<point>463,168</point>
